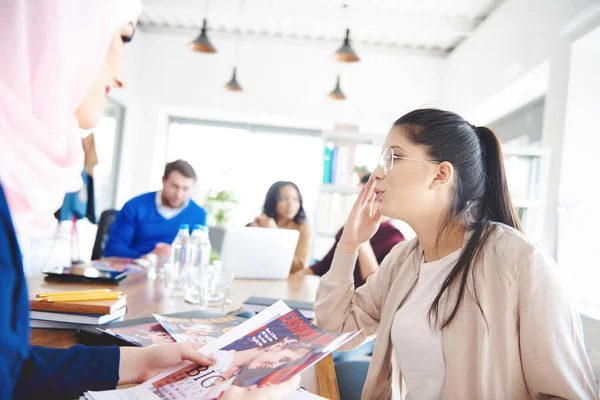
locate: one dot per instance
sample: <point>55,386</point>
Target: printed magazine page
<point>196,329</point>
<point>270,355</point>
<point>122,394</point>
<point>271,313</point>
<point>143,335</point>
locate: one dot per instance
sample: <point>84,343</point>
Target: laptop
<point>259,253</point>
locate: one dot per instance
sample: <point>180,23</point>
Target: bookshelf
<point>342,152</point>
<point>527,170</point>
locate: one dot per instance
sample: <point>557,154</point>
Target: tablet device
<point>84,273</point>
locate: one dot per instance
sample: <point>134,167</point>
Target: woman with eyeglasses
<point>283,209</point>
<point>469,309</point>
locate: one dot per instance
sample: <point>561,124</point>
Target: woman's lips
<point>378,194</point>
<point>107,90</point>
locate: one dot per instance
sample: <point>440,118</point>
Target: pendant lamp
<point>202,44</point>
<point>233,84</point>
<point>337,93</point>
<point>346,53</point>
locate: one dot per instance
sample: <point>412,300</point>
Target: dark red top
<point>386,237</point>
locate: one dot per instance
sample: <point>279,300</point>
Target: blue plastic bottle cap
<point>198,227</point>
<point>184,226</point>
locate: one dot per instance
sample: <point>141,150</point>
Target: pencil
<point>82,292</point>
<point>75,298</point>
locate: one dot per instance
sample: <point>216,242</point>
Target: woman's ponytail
<point>496,203</point>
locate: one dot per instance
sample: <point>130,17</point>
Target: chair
<point>351,376</point>
<point>216,234</point>
<point>591,333</point>
<point>106,219</point>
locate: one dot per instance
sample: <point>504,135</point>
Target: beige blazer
<point>534,345</point>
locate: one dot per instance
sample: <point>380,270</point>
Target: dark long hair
<point>272,197</point>
<point>481,194</point>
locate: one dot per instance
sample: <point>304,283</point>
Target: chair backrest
<point>216,234</point>
<point>591,333</point>
<point>106,219</point>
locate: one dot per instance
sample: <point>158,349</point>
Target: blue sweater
<point>32,372</point>
<point>139,226</point>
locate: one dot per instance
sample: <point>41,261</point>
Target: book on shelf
<point>338,166</point>
<point>327,164</point>
<point>239,353</point>
<point>333,168</point>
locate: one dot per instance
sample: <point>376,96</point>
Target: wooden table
<point>145,297</point>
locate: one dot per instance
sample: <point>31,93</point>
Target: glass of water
<point>216,291</point>
<point>175,280</point>
<point>198,283</point>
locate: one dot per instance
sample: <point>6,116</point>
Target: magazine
<point>122,394</point>
<point>268,349</point>
<point>116,264</point>
<point>143,335</point>
<point>197,330</point>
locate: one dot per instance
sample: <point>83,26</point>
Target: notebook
<point>88,319</point>
<point>38,323</point>
<point>257,304</point>
<point>97,307</point>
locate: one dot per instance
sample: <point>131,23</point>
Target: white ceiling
<point>430,26</point>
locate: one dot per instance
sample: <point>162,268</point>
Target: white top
<point>417,346</point>
<point>165,211</point>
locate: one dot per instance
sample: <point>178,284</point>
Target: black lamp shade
<point>233,84</point>
<point>337,93</point>
<point>346,53</point>
<point>202,44</point>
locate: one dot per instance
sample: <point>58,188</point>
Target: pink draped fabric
<point>50,54</point>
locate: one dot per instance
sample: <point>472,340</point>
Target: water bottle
<point>203,246</point>
<point>199,259</point>
<point>179,261</point>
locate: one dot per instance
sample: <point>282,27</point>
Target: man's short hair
<point>181,166</point>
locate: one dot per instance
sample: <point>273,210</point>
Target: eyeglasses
<point>386,161</point>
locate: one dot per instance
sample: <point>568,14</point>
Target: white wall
<point>520,53</point>
<point>532,48</point>
<point>284,84</point>
<point>579,209</point>
<point>519,36</point>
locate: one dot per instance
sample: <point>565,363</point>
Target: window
<point>247,160</point>
<point>107,136</point>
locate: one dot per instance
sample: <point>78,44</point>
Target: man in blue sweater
<point>149,223</point>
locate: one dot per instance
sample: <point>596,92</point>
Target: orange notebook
<point>96,307</point>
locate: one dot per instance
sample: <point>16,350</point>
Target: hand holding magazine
<point>262,353</point>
